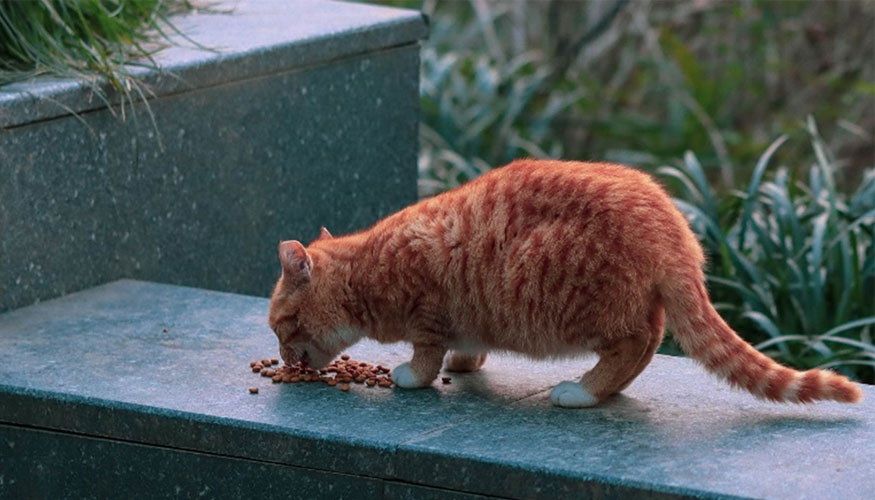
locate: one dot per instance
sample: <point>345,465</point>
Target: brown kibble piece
<point>332,382</point>
<point>344,387</point>
<point>385,382</point>
<point>446,380</point>
<point>265,362</point>
<point>371,382</point>
<point>287,379</point>
<point>274,361</point>
<point>295,379</point>
<point>277,378</point>
<point>344,357</point>
<point>360,378</point>
<point>268,373</point>
<point>253,363</point>
<point>253,390</point>
<point>256,368</point>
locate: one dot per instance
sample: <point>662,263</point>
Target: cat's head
<point>304,314</point>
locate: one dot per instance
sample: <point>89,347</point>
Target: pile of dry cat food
<point>339,373</point>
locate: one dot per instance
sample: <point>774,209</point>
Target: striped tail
<point>705,337</point>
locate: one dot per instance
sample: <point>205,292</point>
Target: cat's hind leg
<point>462,362</point>
<point>657,330</point>
<point>619,362</point>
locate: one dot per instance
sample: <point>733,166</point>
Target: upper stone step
<point>244,39</point>
<point>305,115</point>
<point>168,366</point>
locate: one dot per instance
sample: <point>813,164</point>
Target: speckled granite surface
<point>309,117</point>
<point>98,363</point>
<point>247,38</point>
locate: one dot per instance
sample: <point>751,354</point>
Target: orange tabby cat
<point>543,258</point>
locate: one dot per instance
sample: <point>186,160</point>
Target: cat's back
<point>550,209</point>
<point>532,191</point>
<point>557,180</point>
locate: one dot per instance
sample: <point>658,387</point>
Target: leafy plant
<point>95,41</point>
<point>792,259</point>
<point>642,82</point>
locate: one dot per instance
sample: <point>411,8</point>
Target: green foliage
<point>640,83</point>
<point>644,83</point>
<point>479,112</point>
<point>792,259</point>
<point>96,41</point>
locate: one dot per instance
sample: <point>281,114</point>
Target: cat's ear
<point>324,234</point>
<point>296,261</point>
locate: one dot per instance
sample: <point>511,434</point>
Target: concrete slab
<point>98,363</point>
<point>245,39</point>
<point>308,117</point>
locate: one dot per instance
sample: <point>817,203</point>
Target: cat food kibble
<point>253,390</point>
<point>340,373</point>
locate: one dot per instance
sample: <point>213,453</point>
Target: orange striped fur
<point>543,258</point>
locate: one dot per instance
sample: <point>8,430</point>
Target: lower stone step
<point>136,388</point>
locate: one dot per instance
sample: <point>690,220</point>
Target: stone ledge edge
<point>47,98</point>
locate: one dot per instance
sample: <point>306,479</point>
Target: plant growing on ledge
<point>94,41</point>
<point>792,260</point>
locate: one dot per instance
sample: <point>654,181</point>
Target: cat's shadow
<point>646,413</point>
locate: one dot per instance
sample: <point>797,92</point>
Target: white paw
<point>570,394</point>
<point>403,377</point>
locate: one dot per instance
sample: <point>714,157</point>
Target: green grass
<point>95,41</point>
<point>792,259</point>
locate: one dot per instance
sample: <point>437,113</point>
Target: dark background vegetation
<point>757,115</point>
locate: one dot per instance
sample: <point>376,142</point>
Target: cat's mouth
<point>292,356</point>
<point>304,359</point>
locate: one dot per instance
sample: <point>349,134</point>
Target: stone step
<point>306,115</point>
<point>92,386</point>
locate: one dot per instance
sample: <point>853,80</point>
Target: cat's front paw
<point>404,377</point>
<point>570,394</point>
